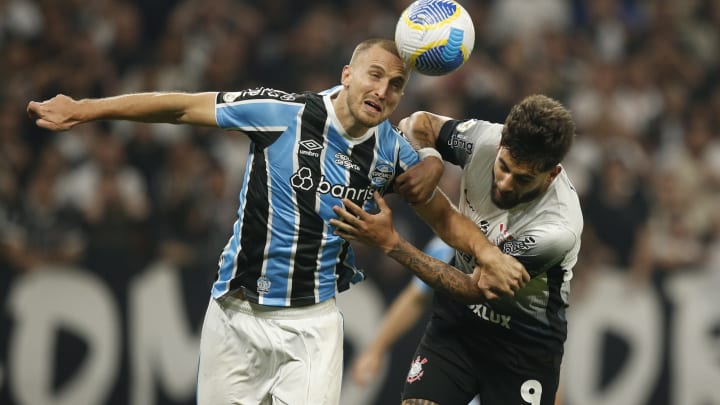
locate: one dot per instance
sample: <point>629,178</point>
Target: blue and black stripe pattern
<point>282,251</point>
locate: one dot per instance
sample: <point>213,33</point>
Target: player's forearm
<point>466,236</point>
<point>173,108</point>
<point>453,227</point>
<point>437,274</point>
<point>401,316</point>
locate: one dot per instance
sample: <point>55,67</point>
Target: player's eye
<point>522,180</point>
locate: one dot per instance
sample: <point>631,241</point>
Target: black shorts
<point>451,370</point>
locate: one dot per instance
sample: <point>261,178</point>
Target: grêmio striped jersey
<point>301,163</point>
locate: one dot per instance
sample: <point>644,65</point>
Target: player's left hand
<point>498,274</point>
<point>417,185</point>
<point>372,229</point>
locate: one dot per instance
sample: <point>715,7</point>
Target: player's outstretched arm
<point>403,313</point>
<point>61,112</point>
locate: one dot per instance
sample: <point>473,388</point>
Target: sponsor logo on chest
<point>488,314</point>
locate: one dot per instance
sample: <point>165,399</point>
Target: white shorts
<point>255,354</point>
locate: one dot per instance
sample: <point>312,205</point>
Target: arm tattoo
<point>440,276</point>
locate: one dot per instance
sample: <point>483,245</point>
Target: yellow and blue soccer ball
<point>435,37</point>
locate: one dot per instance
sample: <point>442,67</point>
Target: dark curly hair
<point>538,131</point>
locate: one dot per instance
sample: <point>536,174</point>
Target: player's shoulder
<point>474,127</point>
<point>392,130</point>
<point>470,136</point>
<point>259,94</point>
<point>390,136</point>
<point>561,206</point>
<point>568,195</point>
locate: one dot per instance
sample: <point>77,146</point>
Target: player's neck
<point>350,124</point>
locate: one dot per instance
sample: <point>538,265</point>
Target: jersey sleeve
<point>261,113</point>
<point>406,157</point>
<point>541,248</point>
<point>458,139</point>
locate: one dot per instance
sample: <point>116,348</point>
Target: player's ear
<point>555,171</point>
<point>345,77</point>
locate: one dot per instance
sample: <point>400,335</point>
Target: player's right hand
<point>377,229</point>
<point>417,185</point>
<point>499,275</point>
<point>55,114</point>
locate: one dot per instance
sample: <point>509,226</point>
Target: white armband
<point>428,200</point>
<point>426,152</point>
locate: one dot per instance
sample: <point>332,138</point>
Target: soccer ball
<point>435,37</point>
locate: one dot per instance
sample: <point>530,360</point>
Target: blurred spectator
<point>40,230</point>
<point>678,226</point>
<point>616,210</point>
<point>81,189</point>
<point>519,19</point>
<point>116,240</point>
<point>16,157</point>
<point>696,159</point>
<point>192,199</point>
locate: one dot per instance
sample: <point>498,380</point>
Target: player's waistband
<point>238,302</point>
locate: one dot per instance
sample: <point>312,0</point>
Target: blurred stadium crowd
<point>641,78</point>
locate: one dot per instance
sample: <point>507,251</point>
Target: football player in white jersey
<point>507,349</point>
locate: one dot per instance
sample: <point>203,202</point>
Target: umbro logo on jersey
<point>311,144</point>
<point>309,147</point>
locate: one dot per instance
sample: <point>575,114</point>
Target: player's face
<point>375,83</point>
<point>515,183</point>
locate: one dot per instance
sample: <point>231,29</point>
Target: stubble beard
<point>357,113</point>
<point>513,200</point>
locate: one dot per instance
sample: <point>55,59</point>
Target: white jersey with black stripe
<point>544,234</point>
